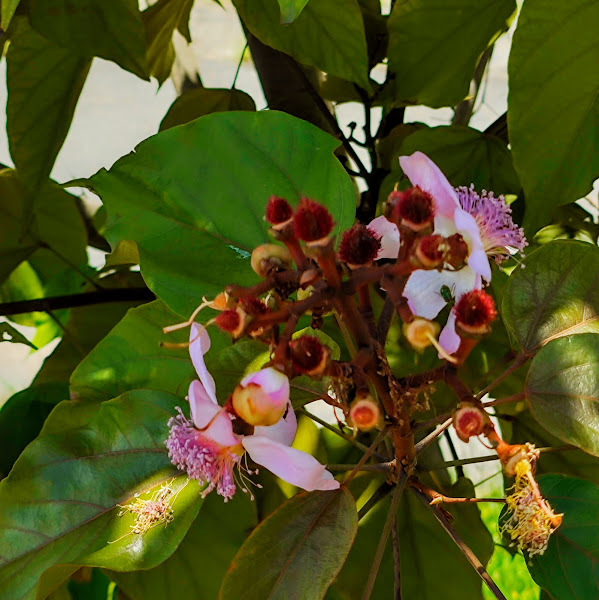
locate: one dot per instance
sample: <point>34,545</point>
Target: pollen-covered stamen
<point>232,321</point>
<point>475,311</point>
<point>470,420</point>
<point>278,212</point>
<point>312,222</point>
<point>412,208</point>
<point>308,355</point>
<point>359,246</point>
<point>431,250</point>
<point>498,232</point>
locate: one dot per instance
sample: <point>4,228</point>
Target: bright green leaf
<point>60,504</point>
<point>110,29</point>
<point>291,9</point>
<point>313,531</point>
<point>8,10</point>
<point>328,34</point>
<point>9,334</point>
<point>197,225</point>
<point>555,294</point>
<point>562,390</point>
<point>203,101</point>
<point>44,82</point>
<point>467,156</point>
<point>554,103</point>
<point>434,46</point>
<point>568,568</point>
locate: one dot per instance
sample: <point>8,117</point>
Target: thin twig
<point>459,469</point>
<point>73,266</point>
<point>385,319</point>
<point>367,455</point>
<point>518,362</point>
<point>424,442</point>
<point>239,66</point>
<point>396,561</point>
<point>378,467</point>
<point>381,492</point>
<point>506,400</point>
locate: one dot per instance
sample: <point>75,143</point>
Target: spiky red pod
<point>412,208</point>
<point>359,246</point>
<point>312,222</point>
<point>475,311</point>
<point>278,211</point>
<point>308,355</point>
<point>431,250</point>
<point>253,306</point>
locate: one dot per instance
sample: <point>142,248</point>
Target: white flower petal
<point>389,234</point>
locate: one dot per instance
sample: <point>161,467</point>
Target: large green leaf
<point>7,11</point>
<point>328,34</point>
<point>9,334</point>
<point>312,534</point>
<point>199,564</point>
<point>568,569</point>
<point>290,9</point>
<point>55,223</point>
<point>198,102</point>
<point>466,156</point>
<point>553,103</point>
<point>44,82</point>
<point>555,294</point>
<point>110,29</point>
<point>434,46</point>
<point>562,390</point>
<point>197,215</point>
<point>60,503</point>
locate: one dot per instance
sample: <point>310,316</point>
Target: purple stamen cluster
<point>498,231</point>
<point>202,458</point>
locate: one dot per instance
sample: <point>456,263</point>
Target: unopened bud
<point>365,413</point>
<point>359,246</point>
<point>309,355</point>
<point>261,398</point>
<point>232,321</point>
<point>269,257</point>
<point>475,311</point>
<point>421,333</point>
<point>412,208</point>
<point>313,223</point>
<point>221,302</point>
<point>431,251</point>
<point>278,212</point>
<point>470,420</point>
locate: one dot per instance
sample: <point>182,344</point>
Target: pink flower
<point>210,451</point>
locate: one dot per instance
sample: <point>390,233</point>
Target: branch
<point>103,296</point>
<point>518,362</point>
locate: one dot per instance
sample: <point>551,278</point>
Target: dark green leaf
<point>9,334</point>
<point>110,29</point>
<point>199,564</point>
<point>555,294</point>
<point>467,156</point>
<point>60,503</point>
<point>290,10</point>
<point>203,101</point>
<point>314,533</point>
<point>44,82</point>
<point>8,10</point>
<point>434,46</point>
<point>568,569</point>
<point>89,584</point>
<point>562,390</point>
<point>553,103</point>
<point>183,24</point>
<point>328,34</point>
<point>196,227</point>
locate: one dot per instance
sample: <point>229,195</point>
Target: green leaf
<point>160,21</point>
<point>553,104</point>
<point>203,101</point>
<point>555,294</point>
<point>9,334</point>
<point>7,11</point>
<point>568,569</point>
<point>291,9</point>
<point>314,532</point>
<point>56,223</point>
<point>44,82</point>
<point>191,245</point>
<point>328,34</point>
<point>197,567</point>
<point>562,390</point>
<point>434,46</point>
<point>60,503</point>
<point>466,156</point>
<point>110,29</point>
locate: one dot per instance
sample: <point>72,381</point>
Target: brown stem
<point>396,561</point>
<point>424,442</point>
<point>366,455</point>
<point>518,362</point>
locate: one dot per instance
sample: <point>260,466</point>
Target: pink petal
<point>200,344</point>
<point>425,174</point>
<point>423,292</point>
<point>389,235</point>
<point>479,261</point>
<point>449,339</point>
<point>273,382</point>
<point>294,466</point>
<point>283,431</point>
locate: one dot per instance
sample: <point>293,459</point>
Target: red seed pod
<point>365,413</point>
<point>470,420</point>
<point>278,212</point>
<point>232,321</point>
<point>359,246</point>
<point>309,355</point>
<point>312,222</point>
<point>475,311</point>
<point>413,208</point>
<point>431,251</point>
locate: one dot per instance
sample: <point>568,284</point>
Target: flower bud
<point>421,333</point>
<point>222,302</point>
<point>253,306</point>
<point>278,212</point>
<point>269,257</point>
<point>431,251</point>
<point>309,355</point>
<point>365,413</point>
<point>474,312</point>
<point>232,321</point>
<point>470,420</point>
<point>359,246</point>
<point>313,223</point>
<point>412,208</point>
<point>262,398</point>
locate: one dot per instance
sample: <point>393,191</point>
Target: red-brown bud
<point>413,208</point>
<point>278,212</point>
<point>312,222</point>
<point>458,251</point>
<point>359,246</point>
<point>474,312</point>
<point>309,355</point>
<point>365,413</point>
<point>232,321</point>
<point>431,251</point>
<point>253,306</point>
<point>470,420</point>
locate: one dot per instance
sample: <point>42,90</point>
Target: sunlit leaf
<point>8,10</point>
<point>290,9</point>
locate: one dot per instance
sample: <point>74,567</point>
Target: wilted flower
<point>211,452</point>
